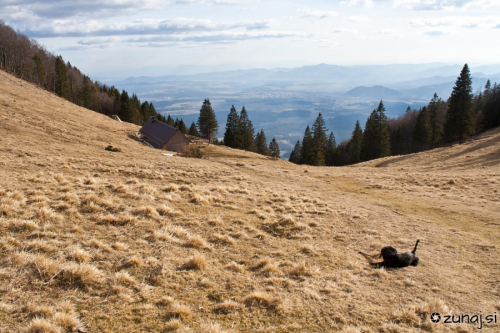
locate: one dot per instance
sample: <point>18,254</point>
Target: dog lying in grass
<point>393,259</point>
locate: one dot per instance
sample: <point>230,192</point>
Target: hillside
<point>99,241</point>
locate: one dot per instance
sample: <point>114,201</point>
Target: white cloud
<point>470,22</point>
<point>358,18</point>
<point>352,3</point>
<point>308,13</point>
<point>444,4</point>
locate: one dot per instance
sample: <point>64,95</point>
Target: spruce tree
<point>376,138</point>
<point>207,123</point>
<point>319,141</point>
<point>232,125</point>
<point>422,133</point>
<point>61,80</point>
<point>307,147</point>
<point>39,70</point>
<point>460,118</point>
<point>331,147</point>
<point>193,130</point>
<point>182,127</point>
<point>436,109</point>
<point>354,146</point>
<point>295,155</point>
<point>245,135</point>
<point>261,143</point>
<point>274,148</point>
<point>170,121</point>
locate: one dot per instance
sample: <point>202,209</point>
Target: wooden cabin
<point>163,136</point>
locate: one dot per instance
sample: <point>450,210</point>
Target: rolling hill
<point>99,241</point>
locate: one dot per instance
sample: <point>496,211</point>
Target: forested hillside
<point>27,59</point>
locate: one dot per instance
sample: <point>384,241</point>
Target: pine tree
<point>39,70</point>
<point>182,126</point>
<point>295,155</point>
<point>331,148</point>
<point>460,118</point>
<point>319,141</point>
<point>232,125</point>
<point>245,135</point>
<point>127,112</point>
<point>422,133</point>
<point>207,123</point>
<point>274,148</point>
<point>193,130</point>
<point>376,138</point>
<point>61,80</point>
<point>436,109</point>
<point>307,147</point>
<point>261,143</point>
<point>170,121</point>
<point>354,146</point>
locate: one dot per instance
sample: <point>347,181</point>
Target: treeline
<point>240,134</point>
<point>436,124</point>
<point>27,59</point>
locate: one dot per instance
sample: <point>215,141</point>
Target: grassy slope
<point>98,241</point>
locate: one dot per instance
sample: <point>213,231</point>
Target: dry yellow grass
<point>234,242</point>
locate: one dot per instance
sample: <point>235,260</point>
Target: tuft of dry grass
<point>260,299</point>
<point>196,242</point>
<point>69,322</point>
<point>173,325</point>
<point>235,267</point>
<point>80,275</point>
<point>179,311</point>
<point>195,262</point>
<point>41,325</point>
<point>227,307</point>
<point>300,271</point>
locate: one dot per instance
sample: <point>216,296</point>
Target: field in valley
<point>136,241</point>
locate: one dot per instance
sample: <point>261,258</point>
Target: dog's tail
<point>415,248</point>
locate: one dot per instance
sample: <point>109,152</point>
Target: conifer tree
<point>307,147</point>
<point>39,70</point>
<point>422,133</point>
<point>207,122</point>
<point>274,148</point>
<point>460,118</point>
<point>127,108</point>
<point>193,130</point>
<point>295,155</point>
<point>261,143</point>
<point>331,147</point>
<point>245,135</point>
<point>354,146</point>
<point>182,126</point>
<point>436,109</point>
<point>232,126</point>
<point>170,121</point>
<point>61,80</point>
<point>376,138</point>
<point>319,141</point>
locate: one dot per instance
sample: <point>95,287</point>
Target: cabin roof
<point>157,132</point>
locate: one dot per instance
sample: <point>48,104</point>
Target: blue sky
<point>119,38</point>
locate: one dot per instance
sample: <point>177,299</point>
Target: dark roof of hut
<point>157,132</point>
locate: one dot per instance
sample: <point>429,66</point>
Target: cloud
<point>434,33</point>
<point>443,4</point>
<point>358,18</point>
<point>308,13</point>
<point>68,28</point>
<point>207,38</point>
<point>352,3</point>
<point>63,9</point>
<point>469,22</point>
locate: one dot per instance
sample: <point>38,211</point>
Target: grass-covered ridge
<point>98,241</point>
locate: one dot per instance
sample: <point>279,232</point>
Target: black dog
<point>393,259</point>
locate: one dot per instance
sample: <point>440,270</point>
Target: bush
<point>193,151</point>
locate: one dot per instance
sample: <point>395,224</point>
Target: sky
<point>120,38</point>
